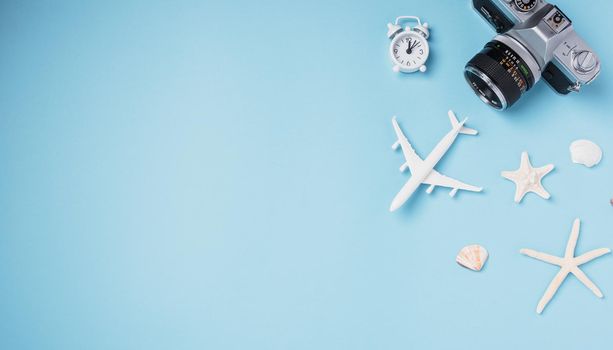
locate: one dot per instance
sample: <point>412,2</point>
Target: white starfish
<point>527,178</point>
<point>568,264</point>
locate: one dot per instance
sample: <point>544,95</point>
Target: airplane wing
<point>437,179</point>
<point>411,157</point>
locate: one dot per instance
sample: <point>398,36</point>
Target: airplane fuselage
<point>418,177</point>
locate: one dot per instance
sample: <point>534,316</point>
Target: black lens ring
<point>485,88</point>
<point>511,79</point>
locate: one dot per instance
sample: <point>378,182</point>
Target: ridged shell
<point>585,152</point>
<point>472,257</point>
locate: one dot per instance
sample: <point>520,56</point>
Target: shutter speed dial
<point>525,5</point>
<point>584,61</point>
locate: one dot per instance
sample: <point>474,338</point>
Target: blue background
<point>199,175</point>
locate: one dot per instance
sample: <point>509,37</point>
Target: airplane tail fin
<point>454,123</point>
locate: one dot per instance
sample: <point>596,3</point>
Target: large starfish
<point>527,178</point>
<point>568,264</point>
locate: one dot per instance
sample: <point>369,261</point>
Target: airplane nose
<point>395,204</point>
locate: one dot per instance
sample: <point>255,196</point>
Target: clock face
<point>409,50</point>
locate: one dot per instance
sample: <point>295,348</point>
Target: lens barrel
<point>498,75</point>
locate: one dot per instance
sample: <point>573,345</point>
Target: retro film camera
<point>535,40</point>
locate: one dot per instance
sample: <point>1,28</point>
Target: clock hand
<point>414,45</point>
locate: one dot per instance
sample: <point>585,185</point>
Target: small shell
<point>585,152</point>
<point>472,257</point>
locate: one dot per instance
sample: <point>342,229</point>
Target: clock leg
<point>396,68</point>
<point>422,68</point>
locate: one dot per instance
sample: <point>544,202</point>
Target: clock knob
<point>584,61</point>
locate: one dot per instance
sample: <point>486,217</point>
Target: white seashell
<point>472,257</point>
<point>585,152</point>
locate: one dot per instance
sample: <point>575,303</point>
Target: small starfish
<point>568,264</point>
<point>527,178</point>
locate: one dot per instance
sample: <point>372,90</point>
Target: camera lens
<point>499,75</point>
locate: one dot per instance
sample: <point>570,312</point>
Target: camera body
<point>535,40</point>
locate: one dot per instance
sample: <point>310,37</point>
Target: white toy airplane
<point>422,170</point>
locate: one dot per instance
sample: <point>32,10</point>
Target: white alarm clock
<point>409,49</point>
